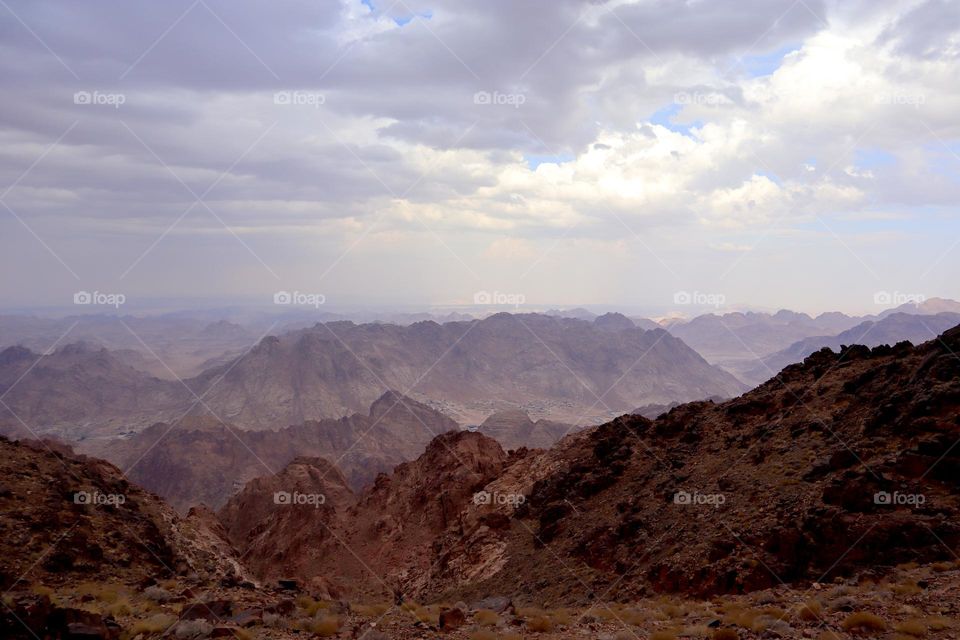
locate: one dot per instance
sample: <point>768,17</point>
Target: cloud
<point>648,122</point>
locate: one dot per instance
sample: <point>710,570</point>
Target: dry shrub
<point>863,621</point>
<point>829,635</point>
<point>726,634</point>
<point>633,616</point>
<point>154,624</point>
<point>486,618</point>
<point>913,627</point>
<point>482,634</point>
<point>325,626</point>
<point>939,623</point>
<point>906,589</point>
<point>529,612</point>
<point>940,567</point>
<point>811,610</point>
<point>370,610</point>
<point>561,617</point>
<point>121,607</point>
<point>511,636</point>
<point>540,624</point>
<point>664,634</point>
<point>671,610</point>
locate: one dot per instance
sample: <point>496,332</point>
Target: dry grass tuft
<point>486,618</point>
<point>157,623</point>
<point>540,624</point>
<point>811,610</point>
<point>912,627</point>
<point>726,634</point>
<point>664,634</point>
<point>325,626</point>
<point>863,621</point>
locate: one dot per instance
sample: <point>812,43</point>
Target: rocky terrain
<point>823,504</point>
<point>201,460</point>
<point>719,497</point>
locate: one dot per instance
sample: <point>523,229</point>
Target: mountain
<point>81,390</point>
<point>169,345</point>
<point>514,429</point>
<point>559,368</point>
<point>929,306</point>
<point>845,464</point>
<point>890,329</point>
<point>734,341</point>
<point>201,460</point>
<point>69,515</point>
<point>390,526</point>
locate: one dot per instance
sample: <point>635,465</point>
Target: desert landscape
<point>500,320</point>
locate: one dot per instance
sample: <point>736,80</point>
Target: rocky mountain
<point>843,464</point>
<point>67,516</point>
<point>514,429</point>
<point>566,368</point>
<point>201,460</point>
<point>81,390</point>
<point>892,328</point>
<point>734,341</point>
<point>390,526</point>
<point>554,368</point>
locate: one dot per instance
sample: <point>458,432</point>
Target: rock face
<point>67,518</point>
<point>366,544</point>
<point>283,524</point>
<point>200,460</point>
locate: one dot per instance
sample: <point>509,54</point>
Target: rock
<point>289,584</point>
<point>451,619</point>
<point>284,607</point>
<point>191,629</point>
<point>81,631</point>
<point>158,594</point>
<point>499,604</point>
<point>213,610</point>
<point>247,618</point>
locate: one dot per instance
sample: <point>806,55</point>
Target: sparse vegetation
<point>912,627</point>
<point>325,626</point>
<point>486,618</point>
<point>540,624</point>
<point>863,621</point>
<point>726,634</point>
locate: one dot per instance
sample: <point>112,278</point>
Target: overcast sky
<point>779,153</point>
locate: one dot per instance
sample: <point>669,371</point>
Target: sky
<point>797,154</point>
